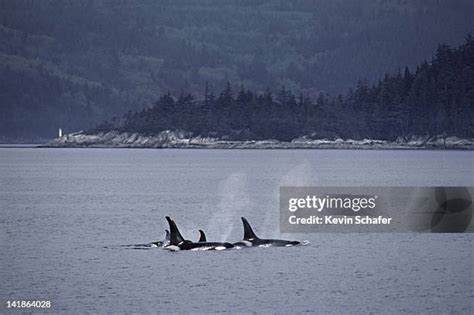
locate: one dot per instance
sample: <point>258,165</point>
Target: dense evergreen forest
<point>435,99</point>
<point>73,63</point>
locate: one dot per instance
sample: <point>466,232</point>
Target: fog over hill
<point>72,64</point>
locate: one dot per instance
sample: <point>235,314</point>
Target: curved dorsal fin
<point>248,232</point>
<point>175,235</point>
<point>202,237</point>
<point>167,236</point>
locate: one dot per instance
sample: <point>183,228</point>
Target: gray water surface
<point>66,214</point>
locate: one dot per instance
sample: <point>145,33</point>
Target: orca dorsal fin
<point>167,236</point>
<point>175,235</point>
<point>248,232</point>
<point>202,237</point>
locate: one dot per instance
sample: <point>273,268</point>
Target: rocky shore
<point>173,139</point>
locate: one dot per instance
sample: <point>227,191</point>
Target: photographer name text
<point>330,205</point>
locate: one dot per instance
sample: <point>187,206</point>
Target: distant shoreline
<point>18,145</point>
<point>179,140</point>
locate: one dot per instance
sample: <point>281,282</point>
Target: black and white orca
<point>177,242</point>
<point>250,239</point>
<point>162,243</point>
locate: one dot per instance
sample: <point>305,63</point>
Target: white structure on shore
<point>60,132</point>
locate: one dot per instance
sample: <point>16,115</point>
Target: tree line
<point>435,99</point>
<point>75,63</point>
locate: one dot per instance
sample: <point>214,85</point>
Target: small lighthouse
<point>60,132</point>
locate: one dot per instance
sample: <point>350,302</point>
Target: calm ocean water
<point>66,214</point>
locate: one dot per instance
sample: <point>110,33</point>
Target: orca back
<point>205,245</point>
<point>202,237</point>
<point>175,236</point>
<point>248,232</point>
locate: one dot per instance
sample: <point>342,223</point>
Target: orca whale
<point>177,242</point>
<point>202,237</point>
<point>162,243</point>
<point>250,239</point>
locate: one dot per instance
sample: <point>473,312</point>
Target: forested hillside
<point>436,99</point>
<point>71,63</point>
